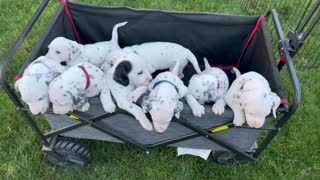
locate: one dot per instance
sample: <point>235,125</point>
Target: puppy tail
<point>193,60</point>
<point>114,38</point>
<point>206,63</point>
<point>237,72</point>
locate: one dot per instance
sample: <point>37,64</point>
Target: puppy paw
<point>255,124</point>
<point>237,122</point>
<point>147,126</point>
<point>132,97</point>
<point>218,108</point>
<point>198,110</point>
<point>109,107</point>
<point>85,107</point>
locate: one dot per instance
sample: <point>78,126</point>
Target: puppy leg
<point>106,100</point>
<point>137,93</point>
<point>197,109</point>
<point>218,107</point>
<point>137,112</point>
<point>239,117</point>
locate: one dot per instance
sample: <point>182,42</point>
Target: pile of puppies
<point>125,74</point>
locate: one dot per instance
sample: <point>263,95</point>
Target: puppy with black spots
<point>158,55</point>
<point>129,73</point>
<point>70,90</point>
<point>211,85</point>
<point>63,49</point>
<point>34,84</point>
<point>163,101</point>
<point>251,100</point>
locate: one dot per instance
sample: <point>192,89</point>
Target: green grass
<point>294,154</point>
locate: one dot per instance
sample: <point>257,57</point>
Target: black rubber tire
<point>224,157</point>
<point>68,153</point>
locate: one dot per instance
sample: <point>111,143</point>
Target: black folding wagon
<point>227,41</point>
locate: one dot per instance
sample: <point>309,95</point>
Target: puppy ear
<point>121,73</point>
<point>275,103</point>
<point>206,64</point>
<point>178,109</point>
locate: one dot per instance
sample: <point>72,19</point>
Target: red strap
<point>64,2</point>
<point>282,59</point>
<point>87,76</point>
<point>16,78</point>
<point>255,29</point>
<point>284,101</point>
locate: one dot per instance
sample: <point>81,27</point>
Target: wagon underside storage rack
<point>228,41</point>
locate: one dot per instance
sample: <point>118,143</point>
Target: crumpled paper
<point>203,153</point>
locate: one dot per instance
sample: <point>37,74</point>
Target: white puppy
<point>251,99</point>
<point>72,53</point>
<point>211,85</point>
<point>163,101</point>
<point>159,55</point>
<point>34,84</point>
<point>129,73</point>
<point>70,90</point>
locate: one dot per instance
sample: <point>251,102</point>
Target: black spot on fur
<point>241,88</point>
<point>240,104</point>
<point>121,73</point>
<point>61,87</point>
<point>238,96</point>
<point>265,95</point>
<point>135,52</point>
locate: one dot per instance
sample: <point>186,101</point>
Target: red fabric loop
<point>250,38</point>
<point>284,101</point>
<point>282,59</point>
<point>64,2</point>
<point>87,76</point>
<point>16,78</point>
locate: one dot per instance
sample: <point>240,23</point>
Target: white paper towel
<point>203,153</point>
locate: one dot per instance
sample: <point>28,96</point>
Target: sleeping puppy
<point>70,90</point>
<point>211,86</point>
<point>251,99</point>
<point>72,53</point>
<point>129,73</point>
<point>34,84</point>
<point>159,55</point>
<point>163,101</point>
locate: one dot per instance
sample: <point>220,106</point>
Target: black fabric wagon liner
<point>225,40</point>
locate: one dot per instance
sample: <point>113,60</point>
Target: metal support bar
<point>305,22</point>
<point>294,81</point>
<point>207,135</point>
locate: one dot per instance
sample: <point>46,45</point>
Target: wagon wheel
<point>68,153</point>
<point>227,157</point>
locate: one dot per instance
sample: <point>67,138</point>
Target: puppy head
<point>34,93</point>
<point>59,49</point>
<point>256,113</point>
<point>132,69</point>
<point>161,114</point>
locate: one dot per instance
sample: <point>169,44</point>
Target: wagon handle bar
<point>294,81</point>
<point>8,57</point>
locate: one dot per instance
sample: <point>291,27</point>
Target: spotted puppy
<point>129,73</point>
<point>34,84</point>
<point>159,55</point>
<point>163,102</point>
<point>70,90</point>
<point>251,100</point>
<point>211,85</point>
<point>63,49</point>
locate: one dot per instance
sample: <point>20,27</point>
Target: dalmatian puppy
<point>34,84</point>
<point>129,73</point>
<point>159,55</point>
<point>63,49</point>
<point>70,90</point>
<point>163,101</point>
<point>251,100</point>
<point>211,85</point>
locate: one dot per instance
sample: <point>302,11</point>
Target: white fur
<point>211,85</point>
<point>63,49</point>
<point>68,92</point>
<point>251,100</point>
<point>139,77</point>
<point>158,55</point>
<point>163,101</point>
<point>33,86</point>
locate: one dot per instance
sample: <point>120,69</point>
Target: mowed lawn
<point>294,153</point>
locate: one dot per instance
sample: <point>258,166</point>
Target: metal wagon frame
<point>78,155</point>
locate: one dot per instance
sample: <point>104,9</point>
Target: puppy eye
<point>58,52</point>
<point>139,73</point>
